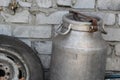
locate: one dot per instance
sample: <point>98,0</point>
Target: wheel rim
<point>12,67</point>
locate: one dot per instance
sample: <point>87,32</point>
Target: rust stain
<point>1,9</point>
<point>22,78</point>
<point>2,78</point>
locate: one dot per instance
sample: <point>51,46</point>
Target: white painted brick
<point>44,3</point>
<point>108,18</point>
<point>113,34</point>
<point>84,4</point>
<point>22,31</point>
<point>54,18</point>
<point>1,19</point>
<point>43,47</point>
<point>64,2</point>
<point>25,4</point>
<point>4,2</point>
<point>109,4</point>
<point>45,59</point>
<point>119,19</point>
<point>21,17</point>
<point>110,50</point>
<point>5,29</point>
<point>113,63</point>
<point>27,41</point>
<point>117,49</point>
<point>43,31</point>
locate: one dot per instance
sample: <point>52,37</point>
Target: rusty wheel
<point>18,61</point>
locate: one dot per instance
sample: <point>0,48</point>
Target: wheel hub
<point>10,69</point>
<point>5,71</point>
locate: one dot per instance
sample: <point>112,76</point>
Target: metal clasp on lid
<point>81,17</point>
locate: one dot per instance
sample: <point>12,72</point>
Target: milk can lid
<point>82,22</point>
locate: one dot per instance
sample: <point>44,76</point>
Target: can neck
<point>79,25</point>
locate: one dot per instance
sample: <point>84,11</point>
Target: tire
<point>18,61</point>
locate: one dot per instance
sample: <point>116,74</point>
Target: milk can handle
<point>63,33</point>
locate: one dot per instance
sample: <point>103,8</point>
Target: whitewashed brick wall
<point>35,20</point>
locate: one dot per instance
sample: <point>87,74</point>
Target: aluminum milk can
<point>79,51</point>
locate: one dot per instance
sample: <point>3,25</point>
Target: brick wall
<point>35,20</point>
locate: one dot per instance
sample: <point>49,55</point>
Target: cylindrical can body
<point>78,56</point>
